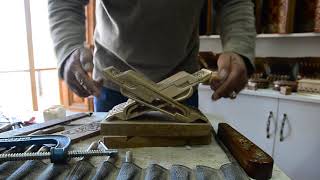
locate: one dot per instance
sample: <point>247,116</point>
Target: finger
<point>227,87</point>
<point>224,65</point>
<point>239,88</point>
<point>80,91</point>
<point>69,77</point>
<point>87,83</point>
<point>74,85</point>
<point>86,59</point>
<point>223,73</point>
<point>99,82</point>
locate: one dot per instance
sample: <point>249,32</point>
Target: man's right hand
<point>76,73</point>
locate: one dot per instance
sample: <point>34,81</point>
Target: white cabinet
<point>248,114</point>
<point>298,153</point>
<point>297,122</point>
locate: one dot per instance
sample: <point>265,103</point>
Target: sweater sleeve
<point>67,26</point>
<point>238,32</point>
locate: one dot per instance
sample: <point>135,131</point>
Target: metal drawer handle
<point>285,117</point>
<point>269,123</point>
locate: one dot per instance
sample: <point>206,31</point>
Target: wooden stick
<point>256,163</point>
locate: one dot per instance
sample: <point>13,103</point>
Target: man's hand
<point>76,73</point>
<point>232,76</point>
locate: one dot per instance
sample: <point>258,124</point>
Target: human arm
<point>238,42</point>
<point>67,26</point>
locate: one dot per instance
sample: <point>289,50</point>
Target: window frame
<point>67,98</point>
<point>31,61</point>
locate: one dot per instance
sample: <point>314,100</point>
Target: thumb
<point>224,63</point>
<point>86,59</point>
<point>223,71</point>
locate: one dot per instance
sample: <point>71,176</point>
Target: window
<point>28,72</point>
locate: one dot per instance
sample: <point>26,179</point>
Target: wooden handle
<point>51,130</point>
<point>256,163</point>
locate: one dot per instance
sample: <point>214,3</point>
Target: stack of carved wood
<point>155,114</point>
<point>154,131</point>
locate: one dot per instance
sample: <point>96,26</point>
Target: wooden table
<point>209,155</point>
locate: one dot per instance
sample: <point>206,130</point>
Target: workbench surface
<point>209,155</point>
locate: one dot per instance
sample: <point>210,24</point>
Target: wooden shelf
<point>292,35</point>
<point>274,45</point>
<point>304,97</point>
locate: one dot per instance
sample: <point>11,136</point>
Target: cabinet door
<point>298,152</point>
<point>248,114</point>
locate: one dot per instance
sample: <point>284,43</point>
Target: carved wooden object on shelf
<point>279,16</point>
<point>307,16</point>
<point>292,84</point>
<point>258,83</point>
<point>285,90</point>
<point>309,85</point>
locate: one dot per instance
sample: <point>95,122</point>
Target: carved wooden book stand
<point>146,97</point>
<point>165,96</point>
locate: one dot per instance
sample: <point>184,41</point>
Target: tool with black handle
<point>35,127</point>
<point>82,167</point>
<point>128,169</point>
<point>106,166</point>
<point>59,152</point>
<point>7,168</point>
<point>20,169</point>
<point>28,167</point>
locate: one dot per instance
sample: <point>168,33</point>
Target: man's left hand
<point>232,74</point>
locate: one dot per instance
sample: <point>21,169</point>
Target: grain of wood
<point>154,128</point>
<point>135,142</point>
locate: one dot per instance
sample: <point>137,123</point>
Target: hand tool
<point>53,171</point>
<point>51,130</point>
<point>207,173</point>
<point>7,168</point>
<point>32,128</point>
<point>26,168</point>
<point>166,96</point>
<point>17,125</point>
<point>180,172</point>
<point>128,169</point>
<point>5,123</point>
<point>12,123</point>
<point>83,166</point>
<point>5,127</point>
<point>232,171</point>
<point>58,154</point>
<point>128,158</point>
<point>106,166</point>
<point>155,172</point>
